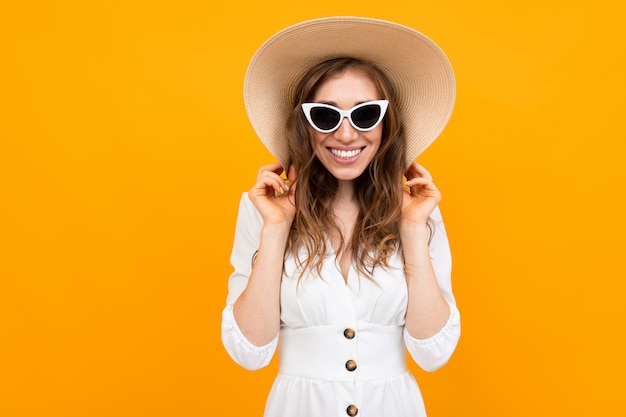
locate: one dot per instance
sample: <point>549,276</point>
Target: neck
<point>345,192</point>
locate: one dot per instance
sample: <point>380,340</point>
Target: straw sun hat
<point>418,68</point>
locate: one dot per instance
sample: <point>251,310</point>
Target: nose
<point>346,132</point>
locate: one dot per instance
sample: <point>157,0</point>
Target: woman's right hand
<point>274,197</point>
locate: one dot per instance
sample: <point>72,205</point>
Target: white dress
<point>342,345</point>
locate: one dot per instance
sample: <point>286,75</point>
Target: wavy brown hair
<point>378,188</point>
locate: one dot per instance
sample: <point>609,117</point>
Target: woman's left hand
<point>421,196</point>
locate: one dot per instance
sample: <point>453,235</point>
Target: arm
<point>257,310</point>
<point>251,319</point>
<point>432,352</point>
<point>432,325</point>
<point>247,233</point>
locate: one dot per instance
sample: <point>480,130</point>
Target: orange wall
<point>124,147</point>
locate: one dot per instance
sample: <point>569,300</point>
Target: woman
<point>340,264</point>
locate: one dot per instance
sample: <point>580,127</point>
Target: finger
<point>291,177</point>
<point>421,186</point>
<point>412,171</point>
<point>270,175</point>
<point>291,173</point>
<point>268,186</point>
<point>423,172</point>
<point>419,183</point>
<point>276,168</point>
<point>417,170</point>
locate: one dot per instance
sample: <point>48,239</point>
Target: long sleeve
<point>246,242</point>
<point>434,352</point>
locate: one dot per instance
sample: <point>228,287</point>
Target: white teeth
<point>345,154</point>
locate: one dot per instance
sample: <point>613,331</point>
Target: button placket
<point>351,365</point>
<point>349,334</point>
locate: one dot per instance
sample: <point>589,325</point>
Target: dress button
<point>348,333</point>
<point>351,365</point>
<point>352,410</point>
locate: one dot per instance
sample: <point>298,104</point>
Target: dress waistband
<point>338,353</point>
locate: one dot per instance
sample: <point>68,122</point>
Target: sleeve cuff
<point>434,352</point>
<point>240,348</point>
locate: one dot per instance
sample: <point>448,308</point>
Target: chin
<point>347,174</point>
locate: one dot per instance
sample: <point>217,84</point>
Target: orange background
<point>124,148</point>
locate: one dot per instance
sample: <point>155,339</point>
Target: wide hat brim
<point>419,70</point>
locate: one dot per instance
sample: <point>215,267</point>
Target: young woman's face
<point>346,152</point>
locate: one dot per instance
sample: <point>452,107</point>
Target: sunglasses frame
<point>383,104</point>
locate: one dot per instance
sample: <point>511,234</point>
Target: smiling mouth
<point>343,154</point>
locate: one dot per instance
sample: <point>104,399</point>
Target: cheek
<point>317,139</point>
<point>376,136</point>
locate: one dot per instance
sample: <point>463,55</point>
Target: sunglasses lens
<point>366,116</point>
<point>325,118</point>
